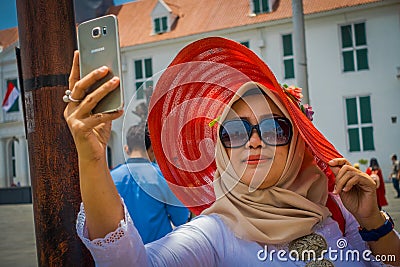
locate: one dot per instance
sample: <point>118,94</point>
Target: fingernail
<point>114,79</point>
<point>103,68</point>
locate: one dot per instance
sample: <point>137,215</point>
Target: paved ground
<point>17,245</point>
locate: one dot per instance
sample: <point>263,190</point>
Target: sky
<point>8,12</point>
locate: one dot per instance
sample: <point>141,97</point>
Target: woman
<point>376,173</point>
<point>271,197</point>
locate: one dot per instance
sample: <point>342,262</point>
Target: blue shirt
<point>150,202</point>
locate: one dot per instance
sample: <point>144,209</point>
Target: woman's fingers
<point>348,176</point>
<point>341,178</point>
<point>91,100</point>
<point>101,118</point>
<point>336,164</point>
<point>346,179</point>
<point>74,75</point>
<point>79,90</point>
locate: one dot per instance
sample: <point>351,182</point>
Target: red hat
<point>193,91</point>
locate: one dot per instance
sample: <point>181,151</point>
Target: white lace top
<point>206,241</point>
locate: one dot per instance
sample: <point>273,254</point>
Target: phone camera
<point>96,32</point>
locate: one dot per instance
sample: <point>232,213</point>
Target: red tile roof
<point>200,16</point>
<point>197,16</point>
<point>8,37</point>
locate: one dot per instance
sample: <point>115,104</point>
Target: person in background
<point>395,174</point>
<point>376,173</point>
<point>151,204</point>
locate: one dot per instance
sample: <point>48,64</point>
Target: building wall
<point>329,85</point>
<point>12,131</point>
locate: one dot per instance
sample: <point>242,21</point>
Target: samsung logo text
<point>97,50</point>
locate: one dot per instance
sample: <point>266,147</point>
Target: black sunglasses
<point>276,131</point>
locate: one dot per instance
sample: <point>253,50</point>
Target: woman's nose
<point>255,140</point>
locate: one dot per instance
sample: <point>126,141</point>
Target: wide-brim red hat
<point>193,91</point>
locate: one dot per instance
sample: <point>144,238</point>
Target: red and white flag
<point>10,97</point>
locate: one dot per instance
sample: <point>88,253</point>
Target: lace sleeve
<point>122,247</point>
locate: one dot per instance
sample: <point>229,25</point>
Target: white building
<point>353,57</point>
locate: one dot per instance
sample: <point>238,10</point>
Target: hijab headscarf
<point>277,214</point>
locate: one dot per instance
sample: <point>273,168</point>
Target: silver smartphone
<point>98,45</point>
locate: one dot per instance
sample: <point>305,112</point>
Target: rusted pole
<point>47,38</point>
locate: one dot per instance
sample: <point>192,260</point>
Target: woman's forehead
<point>257,105</point>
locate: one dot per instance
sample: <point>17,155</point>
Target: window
<point>13,97</point>
<point>143,76</point>
<point>260,6</point>
<point>161,25</point>
<point>245,43</point>
<point>13,160</point>
<point>354,47</point>
<point>359,124</point>
<point>288,59</point>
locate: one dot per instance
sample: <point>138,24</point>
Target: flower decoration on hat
<point>294,94</point>
<point>214,121</point>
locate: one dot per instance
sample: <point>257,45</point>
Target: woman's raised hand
<point>357,191</point>
<point>90,131</point>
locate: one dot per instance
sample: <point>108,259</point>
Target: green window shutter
<point>15,106</point>
<point>138,69</point>
<point>139,90</point>
<point>287,45</point>
<point>351,109</point>
<point>348,61</point>
<point>265,7</point>
<point>157,26</point>
<point>164,24</point>
<point>149,84</point>
<point>362,59</point>
<point>354,140</point>
<point>361,38</point>
<point>368,138</point>
<point>246,44</point>
<point>257,8</point>
<point>149,91</point>
<point>365,109</point>
<point>148,67</point>
<point>346,36</point>
<point>289,68</point>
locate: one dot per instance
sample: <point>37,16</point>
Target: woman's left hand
<point>357,190</point>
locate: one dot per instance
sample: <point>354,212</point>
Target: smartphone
<point>98,45</point>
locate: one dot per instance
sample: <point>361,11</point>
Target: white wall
<point>329,86</point>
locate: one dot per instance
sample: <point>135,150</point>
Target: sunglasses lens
<point>234,133</point>
<point>276,132</point>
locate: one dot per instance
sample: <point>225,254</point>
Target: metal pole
<point>47,39</point>
<point>299,42</point>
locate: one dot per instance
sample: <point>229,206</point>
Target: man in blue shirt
<point>151,204</point>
